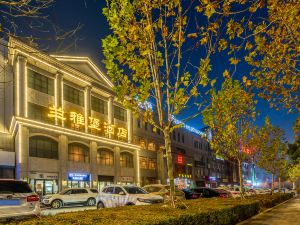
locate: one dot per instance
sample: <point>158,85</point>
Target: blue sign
<point>79,176</point>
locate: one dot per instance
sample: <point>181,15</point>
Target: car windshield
<point>152,189</point>
<point>14,187</point>
<point>134,190</point>
<point>64,191</point>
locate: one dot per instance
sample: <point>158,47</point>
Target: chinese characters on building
<point>96,126</point>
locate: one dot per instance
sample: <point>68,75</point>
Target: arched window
<point>105,157</point>
<point>43,147</point>
<point>78,153</point>
<point>126,160</point>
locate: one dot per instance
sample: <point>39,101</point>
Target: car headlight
<point>144,200</point>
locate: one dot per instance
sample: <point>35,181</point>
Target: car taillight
<point>194,196</point>
<point>33,198</point>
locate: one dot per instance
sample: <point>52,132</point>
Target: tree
<point>294,174</point>
<point>267,34</point>
<point>271,150</point>
<point>230,116</point>
<point>294,151</point>
<point>148,58</point>
<point>29,20</point>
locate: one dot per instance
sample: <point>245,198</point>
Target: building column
<point>136,167</point>
<point>129,125</point>
<point>21,86</point>
<point>110,110</point>
<point>93,163</point>
<point>87,106</point>
<point>58,93</point>
<point>117,164</point>
<point>22,153</point>
<point>63,161</point>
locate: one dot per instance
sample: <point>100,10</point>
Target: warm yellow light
<point>62,130</point>
<point>85,59</point>
<point>54,67</point>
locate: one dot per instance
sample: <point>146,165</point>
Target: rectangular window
<point>99,105</point>
<point>195,144</point>
<point>119,113</point>
<point>73,95</point>
<point>40,83</point>
<point>151,146</point>
<point>178,137</point>
<point>143,163</point>
<point>152,164</point>
<point>174,136</point>
<point>182,138</point>
<point>39,113</point>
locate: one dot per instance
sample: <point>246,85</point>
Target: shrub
<point>215,211</point>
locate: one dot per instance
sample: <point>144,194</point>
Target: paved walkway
<point>285,214</point>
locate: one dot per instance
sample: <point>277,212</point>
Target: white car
<point>72,196</point>
<point>118,195</point>
<point>17,200</point>
<point>164,191</point>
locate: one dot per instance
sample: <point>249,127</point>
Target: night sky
<point>69,13</point>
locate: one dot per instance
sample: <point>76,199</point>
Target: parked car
<point>17,200</point>
<point>190,194</point>
<point>286,190</point>
<point>164,191</point>
<point>202,192</point>
<point>71,196</point>
<point>235,192</point>
<point>250,192</point>
<point>223,193</point>
<point>119,195</point>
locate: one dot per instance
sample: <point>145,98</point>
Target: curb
<point>265,211</point>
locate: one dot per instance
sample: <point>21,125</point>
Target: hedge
<point>215,211</point>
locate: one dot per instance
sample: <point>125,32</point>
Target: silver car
<point>17,200</point>
<point>164,191</point>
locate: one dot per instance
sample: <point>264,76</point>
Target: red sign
<point>180,159</point>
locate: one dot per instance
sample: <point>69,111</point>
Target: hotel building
<point>61,126</point>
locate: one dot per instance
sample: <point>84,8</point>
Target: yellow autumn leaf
<point>213,82</point>
<point>234,61</point>
<point>226,73</point>
<point>192,35</point>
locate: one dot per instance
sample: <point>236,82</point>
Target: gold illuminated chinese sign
<point>77,120</point>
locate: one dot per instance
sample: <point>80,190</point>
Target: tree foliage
<point>230,116</point>
<point>271,150</point>
<point>148,57</point>
<point>267,34</point>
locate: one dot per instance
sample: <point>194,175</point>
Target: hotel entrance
<point>44,183</point>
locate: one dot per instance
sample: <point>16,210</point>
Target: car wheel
<point>91,202</point>
<point>100,205</point>
<point>129,204</point>
<point>56,204</point>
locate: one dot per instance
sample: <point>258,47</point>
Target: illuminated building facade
<point>61,126</point>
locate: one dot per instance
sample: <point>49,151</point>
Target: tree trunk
<point>294,185</point>
<point>272,189</point>
<point>279,183</point>
<point>241,178</point>
<point>170,165</point>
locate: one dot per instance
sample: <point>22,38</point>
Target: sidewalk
<point>287,213</point>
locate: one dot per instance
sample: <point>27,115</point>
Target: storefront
<point>184,181</point>
<point>104,181</point>
<point>44,183</point>
<point>79,180</point>
<point>127,180</point>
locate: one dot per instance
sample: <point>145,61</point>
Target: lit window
<point>119,113</point>
<point>40,83</point>
<point>73,95</point>
<point>43,147</point>
<point>105,157</point>
<point>151,146</point>
<point>143,144</point>
<point>126,160</point>
<point>143,163</point>
<point>78,153</point>
<point>152,164</point>
<point>98,105</point>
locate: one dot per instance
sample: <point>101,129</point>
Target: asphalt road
<point>49,211</point>
<point>287,213</point>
